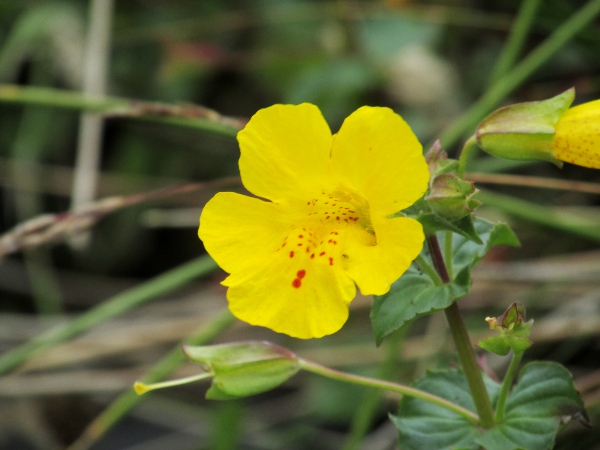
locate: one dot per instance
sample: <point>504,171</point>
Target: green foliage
<point>424,425</point>
<point>542,400</point>
<point>416,294</point>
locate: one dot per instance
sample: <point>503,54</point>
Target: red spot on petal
<point>334,242</point>
<point>301,273</point>
<point>337,218</point>
<point>300,244</point>
<point>329,241</point>
<point>327,217</point>
<point>291,254</point>
<point>296,283</point>
<point>300,236</point>
<point>321,254</point>
<point>331,261</point>
<point>308,203</point>
<point>312,256</point>
<point>307,249</point>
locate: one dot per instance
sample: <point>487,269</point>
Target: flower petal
<point>375,267</point>
<point>577,138</point>
<point>376,153</point>
<point>300,297</point>
<point>237,230</point>
<point>285,152</point>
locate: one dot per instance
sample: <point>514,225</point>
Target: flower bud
<point>244,368</point>
<point>513,332</point>
<point>451,197</point>
<point>527,131</point>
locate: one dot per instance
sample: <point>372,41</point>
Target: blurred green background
<point>428,60</point>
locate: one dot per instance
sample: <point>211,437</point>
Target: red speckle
<point>296,283</point>
<point>300,244</point>
<point>312,256</point>
<point>308,203</point>
<point>291,254</point>
<point>300,236</point>
<point>331,261</point>
<point>327,203</point>
<point>321,254</point>
<point>283,245</point>
<point>301,274</point>
<point>334,242</point>
<point>351,212</point>
<point>327,217</point>
<point>333,204</point>
<point>307,249</point>
<point>337,218</point>
<point>329,241</point>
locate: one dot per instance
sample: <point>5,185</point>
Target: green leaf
<point>415,294</point>
<point>423,425</point>
<point>542,400</point>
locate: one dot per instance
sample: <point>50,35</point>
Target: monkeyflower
<point>325,220</point>
<point>545,130</point>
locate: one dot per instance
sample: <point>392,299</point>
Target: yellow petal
<point>577,138</point>
<point>376,153</point>
<point>299,296</point>
<point>375,267</point>
<point>285,152</point>
<point>237,230</point>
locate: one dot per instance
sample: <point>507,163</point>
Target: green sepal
<point>415,294</point>
<point>524,131</point>
<point>433,222</point>
<point>502,345</point>
<point>514,331</point>
<point>244,368</point>
<point>451,197</point>
<point>543,400</point>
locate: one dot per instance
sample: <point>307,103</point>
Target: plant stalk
<point>506,384</point>
<point>388,386</point>
<point>464,348</point>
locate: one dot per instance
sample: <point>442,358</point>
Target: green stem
<point>536,59</point>
<point>388,386</point>
<point>363,417</point>
<point>464,348</point>
<point>424,265</point>
<point>517,38</point>
<point>466,154</point>
<point>448,253</point>
<point>191,116</point>
<point>506,385</point>
<point>119,304</point>
<point>161,370</point>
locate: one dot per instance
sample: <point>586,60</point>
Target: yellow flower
<point>294,258</point>
<point>577,135</point>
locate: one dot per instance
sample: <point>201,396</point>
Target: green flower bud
<point>526,131</point>
<point>513,332</point>
<point>244,368</point>
<point>451,197</point>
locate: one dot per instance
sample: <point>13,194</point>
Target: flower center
<point>323,225</point>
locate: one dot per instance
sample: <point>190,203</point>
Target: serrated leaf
<point>423,425</point>
<point>543,398</point>
<point>415,294</point>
